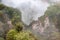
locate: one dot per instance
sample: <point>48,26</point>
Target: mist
<point>31,9</point>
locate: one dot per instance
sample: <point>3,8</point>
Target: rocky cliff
<point>48,24</point>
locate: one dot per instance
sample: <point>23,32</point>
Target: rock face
<point>43,28</point>
<point>48,25</point>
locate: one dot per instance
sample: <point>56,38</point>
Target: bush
<point>24,36</point>
<point>2,6</point>
<point>19,26</point>
<point>10,35</point>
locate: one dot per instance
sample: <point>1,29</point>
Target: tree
<point>53,12</point>
<point>10,35</point>
<point>25,36</point>
<point>9,17</point>
<point>19,34</point>
<point>2,6</point>
<point>19,26</point>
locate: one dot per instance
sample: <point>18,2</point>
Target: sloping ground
<point>8,17</point>
<point>48,25</point>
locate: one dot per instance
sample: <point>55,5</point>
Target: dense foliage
<point>10,35</point>
<point>25,36</point>
<point>53,12</point>
<point>8,18</point>
<point>19,34</point>
<point>11,25</point>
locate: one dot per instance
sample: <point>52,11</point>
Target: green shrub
<point>10,35</point>
<point>2,6</point>
<point>24,36</point>
<point>19,26</point>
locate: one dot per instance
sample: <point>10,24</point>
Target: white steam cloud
<point>31,9</point>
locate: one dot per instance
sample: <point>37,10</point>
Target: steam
<point>31,9</point>
<point>51,1</point>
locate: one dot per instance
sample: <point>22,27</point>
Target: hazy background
<point>31,9</point>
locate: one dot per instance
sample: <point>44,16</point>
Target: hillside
<point>48,25</point>
<point>11,25</point>
<point>8,17</point>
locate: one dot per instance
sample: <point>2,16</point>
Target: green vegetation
<point>25,36</point>
<point>53,12</point>
<point>42,18</point>
<point>10,35</point>
<point>12,17</point>
<point>8,18</point>
<point>2,6</point>
<point>19,34</point>
<point>12,27</point>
